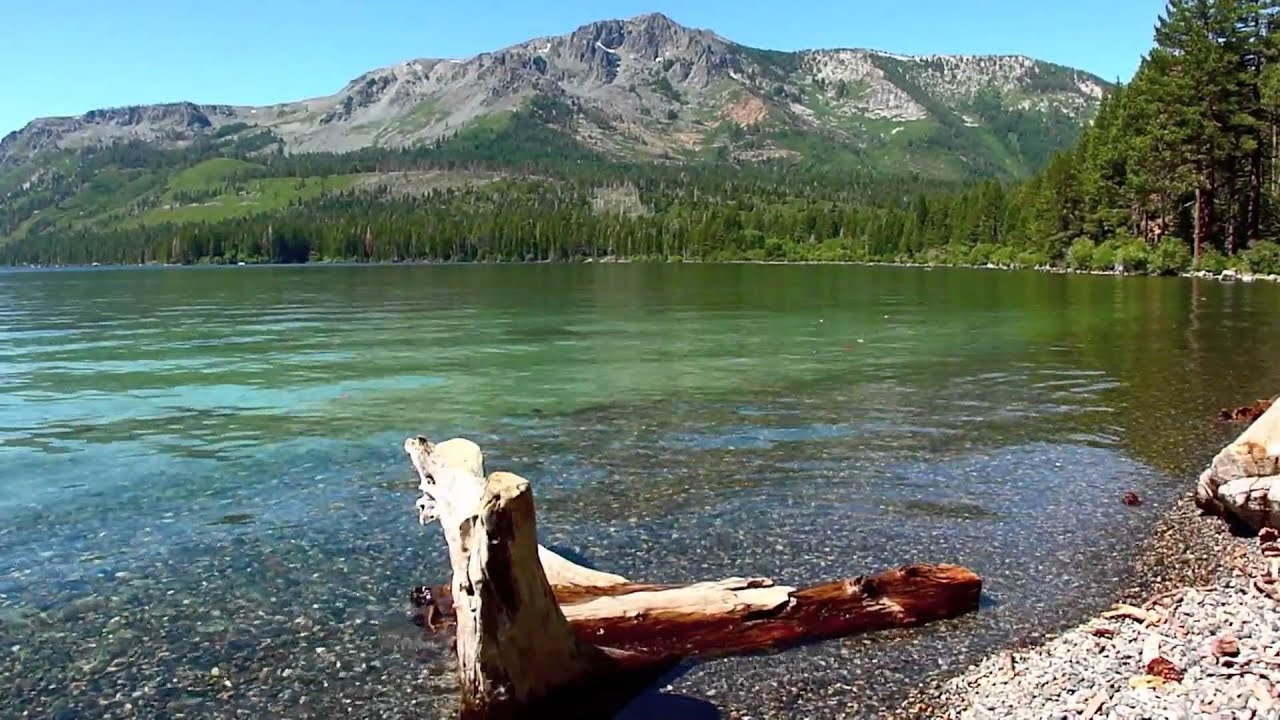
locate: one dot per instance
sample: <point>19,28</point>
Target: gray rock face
<point>169,124</point>
<point>629,79</point>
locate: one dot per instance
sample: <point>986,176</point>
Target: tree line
<point>1183,156</point>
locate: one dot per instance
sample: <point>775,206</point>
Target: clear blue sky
<point>68,57</point>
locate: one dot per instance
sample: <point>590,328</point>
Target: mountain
<point>651,88</point>
<point>582,113</point>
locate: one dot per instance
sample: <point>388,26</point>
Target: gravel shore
<point>1197,636</point>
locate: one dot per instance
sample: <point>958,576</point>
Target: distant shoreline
<point>1225,276</point>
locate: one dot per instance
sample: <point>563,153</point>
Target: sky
<point>72,56</point>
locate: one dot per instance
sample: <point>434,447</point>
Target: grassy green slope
<point>212,190</point>
<point>213,171</point>
<point>244,198</point>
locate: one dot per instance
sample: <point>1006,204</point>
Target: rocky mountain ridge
<point>644,87</point>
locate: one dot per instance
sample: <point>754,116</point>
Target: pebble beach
<point>1198,636</point>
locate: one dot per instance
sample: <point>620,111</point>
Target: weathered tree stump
<point>537,634</point>
<point>1242,486</point>
<point>456,469</point>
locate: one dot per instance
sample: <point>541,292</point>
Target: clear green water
<point>200,468</point>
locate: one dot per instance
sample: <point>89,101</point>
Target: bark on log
<point>1243,484</point>
<point>584,642</point>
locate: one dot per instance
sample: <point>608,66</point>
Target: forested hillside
<point>1183,159</point>
<point>1179,167</point>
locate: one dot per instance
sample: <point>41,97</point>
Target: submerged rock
<point>1247,413</point>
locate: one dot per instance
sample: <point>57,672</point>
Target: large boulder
<point>1242,486</point>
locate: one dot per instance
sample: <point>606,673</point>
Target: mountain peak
<point>657,20</point>
<point>647,30</point>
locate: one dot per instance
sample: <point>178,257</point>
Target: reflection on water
<point>200,469</point>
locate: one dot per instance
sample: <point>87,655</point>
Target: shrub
<point>1032,259</point>
<point>1080,254</point>
<point>1104,257</point>
<point>957,255</point>
<point>1170,257</point>
<point>1211,261</point>
<point>1004,256</point>
<point>981,253</point>
<point>936,256</point>
<point>1132,256</point>
<point>1263,258</point>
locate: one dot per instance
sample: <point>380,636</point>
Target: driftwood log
<point>1243,484</point>
<point>538,634</point>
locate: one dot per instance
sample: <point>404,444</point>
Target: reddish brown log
<point>906,597</point>
<point>901,598</point>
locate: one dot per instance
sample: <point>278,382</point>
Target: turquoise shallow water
<point>200,468</point>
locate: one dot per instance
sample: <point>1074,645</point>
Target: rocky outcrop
<point>171,125</point>
<point>1243,484</point>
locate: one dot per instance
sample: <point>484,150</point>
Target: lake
<point>205,509</point>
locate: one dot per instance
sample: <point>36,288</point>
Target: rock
<point>1093,706</point>
<point>1150,651</point>
<point>1162,667</point>
<point>1247,413</point>
<point>1127,611</point>
<point>1225,646</point>
<point>1131,499</point>
<point>1239,484</point>
<point>1146,682</point>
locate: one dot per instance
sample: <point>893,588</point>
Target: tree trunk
<point>514,645</point>
<point>517,656</point>
<point>1203,213</point>
<point>455,469</point>
<point>1231,207</point>
<point>539,636</point>
<point>1243,484</point>
<point>1254,230</point>
<point>1275,157</point>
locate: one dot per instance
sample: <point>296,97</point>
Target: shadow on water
<point>669,706</point>
<point>575,556</point>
